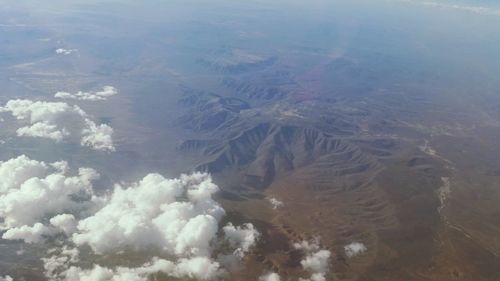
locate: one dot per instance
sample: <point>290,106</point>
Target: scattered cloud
<point>354,249</point>
<point>104,94</point>
<point>6,278</point>
<point>316,261</point>
<point>62,51</point>
<point>59,121</point>
<point>241,237</point>
<point>275,203</point>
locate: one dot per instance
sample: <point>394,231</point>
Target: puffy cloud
<point>272,276</point>
<point>152,212</point>
<point>37,197</point>
<point>6,278</point>
<point>60,260</point>
<point>354,249</point>
<point>316,260</point>
<point>15,171</point>
<point>65,222</point>
<point>275,203</point>
<point>178,216</point>
<point>59,121</point>
<point>30,190</point>
<point>198,267</point>
<point>29,234</point>
<point>43,130</point>
<point>101,95</point>
<point>62,51</point>
<point>241,237</point>
<point>99,137</point>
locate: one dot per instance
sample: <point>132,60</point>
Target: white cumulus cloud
<point>354,249</point>
<point>37,197</point>
<point>65,222</point>
<point>29,234</point>
<point>177,216</point>
<point>316,261</point>
<point>33,190</point>
<point>59,121</point>
<point>151,212</point>
<point>17,170</point>
<point>104,94</point>
<point>241,237</point>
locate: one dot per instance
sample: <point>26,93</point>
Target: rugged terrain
<point>369,167</point>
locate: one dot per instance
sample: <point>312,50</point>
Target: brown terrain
<point>386,170</point>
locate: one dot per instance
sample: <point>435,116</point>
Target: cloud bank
<point>48,201</point>
<point>104,94</point>
<point>59,121</point>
